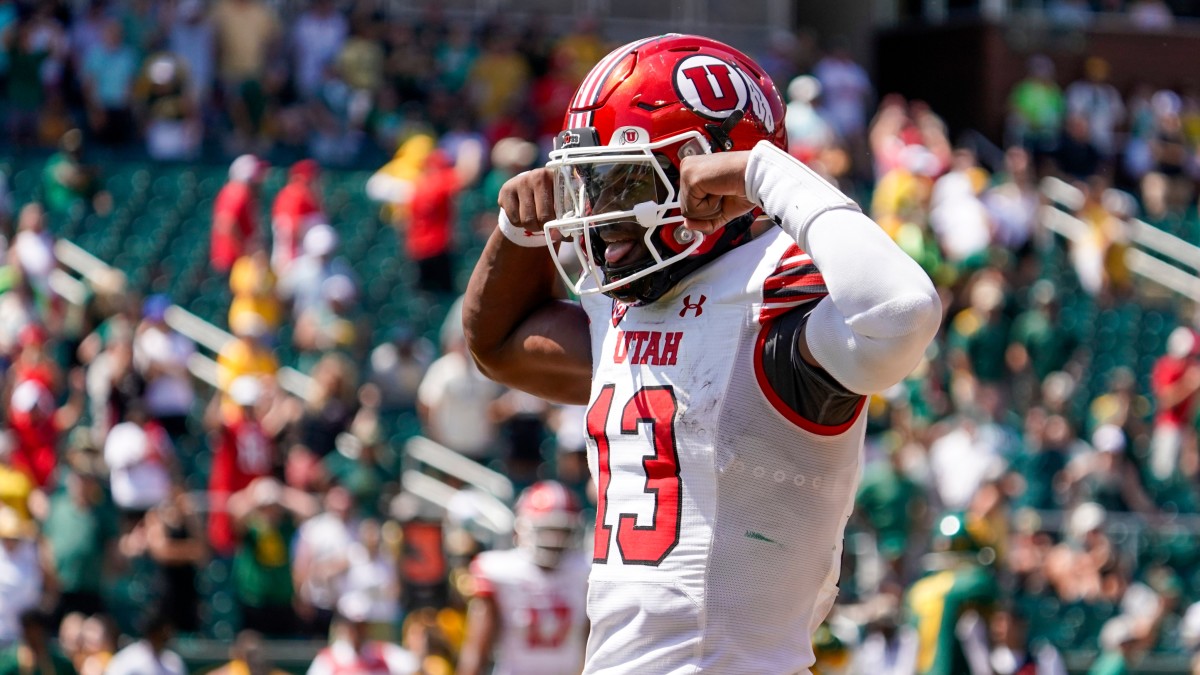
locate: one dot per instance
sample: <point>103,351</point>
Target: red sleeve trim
<point>781,407</point>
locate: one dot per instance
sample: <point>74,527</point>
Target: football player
<point>735,310</point>
<point>528,613</point>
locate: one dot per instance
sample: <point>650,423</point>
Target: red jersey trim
<point>781,407</point>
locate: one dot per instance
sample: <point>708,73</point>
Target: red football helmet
<point>547,521</point>
<point>638,113</point>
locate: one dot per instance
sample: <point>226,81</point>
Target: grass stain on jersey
<point>760,537</point>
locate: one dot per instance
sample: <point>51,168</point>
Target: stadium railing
<point>1177,262</point>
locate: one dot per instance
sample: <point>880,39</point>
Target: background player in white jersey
<point>528,613</point>
<point>735,309</point>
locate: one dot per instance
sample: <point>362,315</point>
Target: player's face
<point>619,187</point>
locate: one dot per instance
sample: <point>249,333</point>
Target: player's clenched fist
<point>712,189</point>
<point>528,199</point>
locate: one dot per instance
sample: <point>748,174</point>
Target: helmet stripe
<point>593,84</point>
<point>587,89</point>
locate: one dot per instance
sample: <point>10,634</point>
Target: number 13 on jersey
<point>655,407</point>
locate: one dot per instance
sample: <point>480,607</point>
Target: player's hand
<point>712,190</point>
<point>528,199</point>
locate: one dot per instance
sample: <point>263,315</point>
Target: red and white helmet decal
<point>714,88</point>
<point>593,84</point>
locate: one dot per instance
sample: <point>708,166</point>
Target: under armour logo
<point>688,304</point>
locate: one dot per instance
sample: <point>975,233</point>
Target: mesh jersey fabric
<point>746,502</point>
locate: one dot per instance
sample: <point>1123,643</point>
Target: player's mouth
<point>624,244</point>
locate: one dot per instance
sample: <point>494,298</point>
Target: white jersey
<point>721,512</point>
<point>543,617</point>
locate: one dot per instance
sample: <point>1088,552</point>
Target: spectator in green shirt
<point>1122,639</point>
<point>81,530</point>
<point>267,515</point>
<point>1037,108</point>
<point>68,182</point>
<point>893,505</point>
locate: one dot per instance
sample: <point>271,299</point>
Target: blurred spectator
<point>320,560</point>
<point>166,109</point>
<point>958,217</point>
<point>1174,383</point>
<point>303,285</point>
<point>35,653</point>
<point>1076,156</point>
<point>243,454</point>
<point>20,573</point>
<point>428,230</point>
<point>17,489</point>
<point>1151,15</point>
<point>330,408</point>
<point>247,657</point>
<point>397,367</point>
<point>247,33</point>
<point>141,463</point>
<point>808,132</point>
<point>371,572</point>
<point>253,285</point>
<point>317,36</point>
<point>1013,202</point>
<point>962,460</point>
<point>108,73</point>
<point>1038,340</point>
<point>845,91</point>
<point>67,181</point>
<point>352,650</point>
<point>150,654</point>
<point>1013,652</point>
<point>174,539</point>
<point>98,636</point>
<point>1106,476</point>
<point>978,335</point>
<point>454,402</point>
<point>889,647</point>
<point>37,49</point>
<point>959,590</point>
<point>160,356</point>
<point>1168,146</point>
<point>36,425</point>
<point>267,515</point>
<point>32,251</point>
<point>456,55</point>
<point>191,39</point>
<point>246,355</point>
<point>338,116</point>
<point>81,531</point>
<point>1100,102</point>
<point>1036,109</point>
<point>1122,640</point>
<point>297,206</point>
<point>893,505</point>
<point>330,325</point>
<point>498,78</point>
<point>235,210</point>
<point>361,59</point>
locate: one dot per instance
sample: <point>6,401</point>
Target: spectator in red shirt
<point>296,207</point>
<point>235,213</point>
<point>430,227</point>
<point>243,453</point>
<point>1175,381</point>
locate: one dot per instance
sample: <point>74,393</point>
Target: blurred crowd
<point>1028,490</point>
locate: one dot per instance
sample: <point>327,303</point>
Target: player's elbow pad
<point>876,348</point>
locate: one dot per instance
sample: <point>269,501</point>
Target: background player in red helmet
<point>528,614</point>
<point>735,309</point>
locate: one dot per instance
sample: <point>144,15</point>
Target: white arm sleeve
<point>882,310</point>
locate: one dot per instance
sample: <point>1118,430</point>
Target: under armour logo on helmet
<point>689,305</point>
